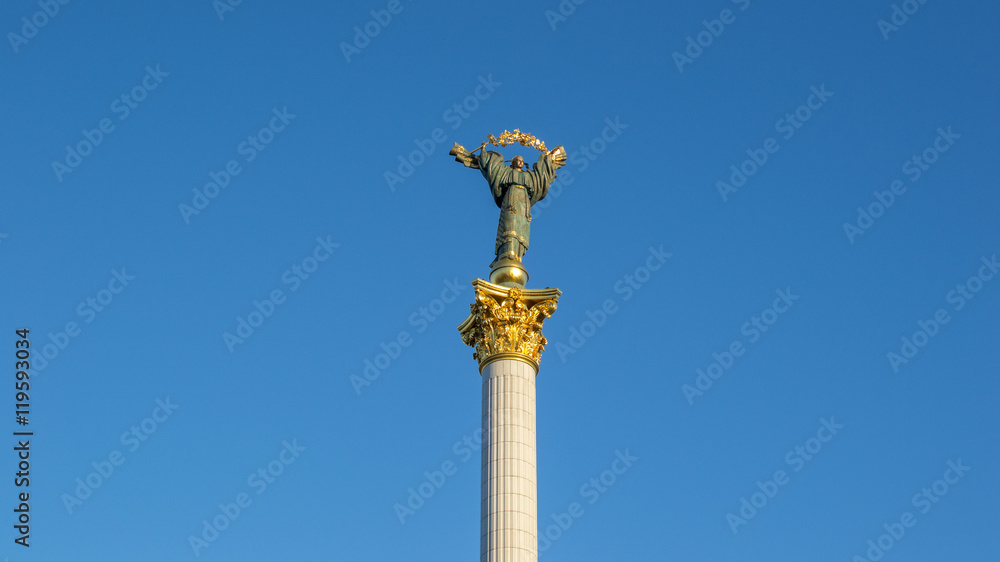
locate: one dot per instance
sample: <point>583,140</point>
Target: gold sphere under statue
<point>509,273</point>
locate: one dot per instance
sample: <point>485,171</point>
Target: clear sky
<point>241,249</point>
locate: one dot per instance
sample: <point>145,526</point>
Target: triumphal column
<point>505,328</point>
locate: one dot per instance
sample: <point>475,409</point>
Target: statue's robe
<point>515,191</point>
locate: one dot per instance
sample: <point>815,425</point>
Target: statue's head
<point>517,163</point>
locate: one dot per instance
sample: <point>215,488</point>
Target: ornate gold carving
<point>517,137</point>
<point>507,321</point>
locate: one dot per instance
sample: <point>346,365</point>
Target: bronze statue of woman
<point>515,189</point>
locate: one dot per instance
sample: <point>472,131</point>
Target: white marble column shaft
<point>509,486</point>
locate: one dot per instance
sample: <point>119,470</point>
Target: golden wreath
<point>517,137</point>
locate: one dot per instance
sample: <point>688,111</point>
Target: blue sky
<point>775,237</point>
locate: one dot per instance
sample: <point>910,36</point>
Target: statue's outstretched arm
<point>462,155</point>
<point>558,156</point>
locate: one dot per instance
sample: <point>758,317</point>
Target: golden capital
<point>507,322</point>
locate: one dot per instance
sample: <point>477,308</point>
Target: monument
<point>505,328</point>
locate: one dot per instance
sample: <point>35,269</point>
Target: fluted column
<point>509,486</point>
<point>505,327</point>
